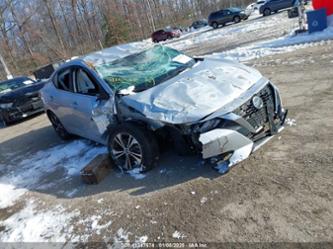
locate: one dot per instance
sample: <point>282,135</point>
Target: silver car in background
<point>131,101</point>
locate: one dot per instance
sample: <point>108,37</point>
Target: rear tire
<point>267,12</point>
<point>215,25</point>
<point>237,19</point>
<point>58,127</point>
<point>131,146</point>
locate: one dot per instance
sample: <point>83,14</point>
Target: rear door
<point>220,17</point>
<point>62,97</point>
<point>275,5</point>
<point>229,16</point>
<point>287,3</point>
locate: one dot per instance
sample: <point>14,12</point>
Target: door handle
<point>75,103</point>
<point>51,98</point>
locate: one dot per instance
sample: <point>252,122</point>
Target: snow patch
<point>136,174</point>
<point>28,174</point>
<point>203,200</point>
<point>93,224</point>
<point>121,236</point>
<point>178,235</point>
<point>277,46</point>
<point>33,225</point>
<point>291,122</point>
<point>9,194</point>
<point>142,239</point>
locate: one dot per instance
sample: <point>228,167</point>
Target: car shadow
<point>40,160</point>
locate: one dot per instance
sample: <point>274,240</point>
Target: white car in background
<point>249,9</point>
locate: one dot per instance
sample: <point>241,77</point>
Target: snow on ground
<point>136,174</point>
<point>255,23</point>
<point>31,223</point>
<point>291,122</point>
<point>178,235</point>
<point>30,173</point>
<point>277,46</point>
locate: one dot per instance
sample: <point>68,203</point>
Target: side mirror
<point>103,95</point>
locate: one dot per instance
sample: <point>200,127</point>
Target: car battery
<point>97,169</point>
<point>317,20</point>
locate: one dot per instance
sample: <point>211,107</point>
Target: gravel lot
<point>283,192</point>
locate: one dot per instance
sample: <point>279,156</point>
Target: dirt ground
<point>283,192</point>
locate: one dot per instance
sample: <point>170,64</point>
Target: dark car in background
<point>19,98</point>
<point>199,24</point>
<point>271,6</point>
<point>165,34</point>
<point>222,17</point>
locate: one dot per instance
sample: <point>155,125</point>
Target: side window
<point>64,81</point>
<point>85,84</point>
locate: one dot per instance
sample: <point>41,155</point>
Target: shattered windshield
<point>10,85</point>
<point>144,70</point>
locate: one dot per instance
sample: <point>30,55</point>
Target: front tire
<point>215,25</point>
<point>267,12</point>
<point>133,147</point>
<point>58,127</point>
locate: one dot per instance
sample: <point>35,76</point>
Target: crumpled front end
<point>244,130</point>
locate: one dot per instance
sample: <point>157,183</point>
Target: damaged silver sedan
<point>130,101</point>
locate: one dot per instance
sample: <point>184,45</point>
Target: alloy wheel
<point>126,151</point>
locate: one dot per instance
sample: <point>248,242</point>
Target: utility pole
<point>9,75</point>
<point>151,15</point>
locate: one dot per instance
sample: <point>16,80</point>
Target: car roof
<point>234,9</point>
<point>107,55</point>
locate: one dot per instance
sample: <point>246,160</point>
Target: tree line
<point>38,32</point>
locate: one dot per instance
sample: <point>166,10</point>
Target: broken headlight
<point>206,126</point>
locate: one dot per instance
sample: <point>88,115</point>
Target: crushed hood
<point>195,93</point>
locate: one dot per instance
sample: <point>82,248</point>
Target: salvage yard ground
<point>283,192</point>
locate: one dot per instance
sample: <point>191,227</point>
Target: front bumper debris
<point>251,128</point>
<point>221,141</point>
<point>224,141</point>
